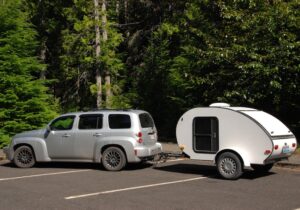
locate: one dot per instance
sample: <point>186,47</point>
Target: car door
<point>90,130</point>
<point>60,139</point>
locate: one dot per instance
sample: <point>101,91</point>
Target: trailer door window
<point>205,134</point>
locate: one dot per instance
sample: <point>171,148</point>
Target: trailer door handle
<point>97,134</point>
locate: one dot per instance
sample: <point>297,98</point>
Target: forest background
<point>161,56</point>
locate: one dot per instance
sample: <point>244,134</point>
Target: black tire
<point>262,168</point>
<point>113,159</point>
<point>24,157</point>
<point>229,166</point>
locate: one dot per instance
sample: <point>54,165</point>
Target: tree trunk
<point>43,59</point>
<point>126,11</point>
<point>118,9</point>
<point>108,92</point>
<point>98,51</point>
<point>104,21</point>
<point>108,89</point>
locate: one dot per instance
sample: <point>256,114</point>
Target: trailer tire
<point>229,166</point>
<point>262,168</point>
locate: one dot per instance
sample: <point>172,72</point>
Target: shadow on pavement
<point>78,165</point>
<point>196,169</point>
<point>208,171</point>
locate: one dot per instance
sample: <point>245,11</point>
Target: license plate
<point>285,149</point>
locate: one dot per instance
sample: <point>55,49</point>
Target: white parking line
<point>134,188</point>
<point>39,175</point>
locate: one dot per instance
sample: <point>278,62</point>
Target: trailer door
<point>205,135</point>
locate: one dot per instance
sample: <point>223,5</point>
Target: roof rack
<point>95,110</point>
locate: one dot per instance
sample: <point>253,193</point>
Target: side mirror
<point>48,128</point>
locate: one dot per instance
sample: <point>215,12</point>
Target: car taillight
<point>294,145</point>
<point>140,135</point>
<point>276,147</point>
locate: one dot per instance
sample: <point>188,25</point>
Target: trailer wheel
<point>262,168</point>
<point>113,159</point>
<point>229,166</point>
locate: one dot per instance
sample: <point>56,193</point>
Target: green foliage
<point>163,56</point>
<point>241,52</point>
<point>24,101</point>
<point>78,58</point>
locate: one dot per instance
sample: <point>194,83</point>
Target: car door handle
<point>66,135</point>
<point>97,134</point>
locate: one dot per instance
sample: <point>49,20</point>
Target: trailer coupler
<point>168,156</point>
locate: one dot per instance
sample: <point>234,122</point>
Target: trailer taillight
<point>267,152</point>
<point>294,145</point>
<point>276,147</point>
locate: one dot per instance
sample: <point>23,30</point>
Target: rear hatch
<point>148,129</point>
<point>283,139</point>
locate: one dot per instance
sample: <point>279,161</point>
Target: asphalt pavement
<point>178,184</point>
<point>183,184</point>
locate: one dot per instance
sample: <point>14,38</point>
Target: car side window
<point>62,123</point>
<point>119,121</point>
<point>90,121</point>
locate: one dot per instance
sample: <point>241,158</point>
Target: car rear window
<point>90,121</point>
<point>146,120</point>
<point>119,121</point>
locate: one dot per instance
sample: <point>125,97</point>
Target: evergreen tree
<point>241,52</point>
<point>79,61</point>
<point>24,102</point>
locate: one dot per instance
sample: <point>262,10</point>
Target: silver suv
<point>113,137</point>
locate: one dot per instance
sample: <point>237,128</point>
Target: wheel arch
<point>15,147</point>
<point>231,151</point>
<point>114,145</point>
<point>125,145</point>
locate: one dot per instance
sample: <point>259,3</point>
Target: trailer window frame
<point>214,135</point>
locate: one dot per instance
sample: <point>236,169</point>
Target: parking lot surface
<point>173,185</point>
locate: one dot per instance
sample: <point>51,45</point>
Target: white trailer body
<point>255,137</point>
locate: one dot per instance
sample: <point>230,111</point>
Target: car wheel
<point>24,157</point>
<point>262,168</point>
<point>113,159</point>
<point>229,166</point>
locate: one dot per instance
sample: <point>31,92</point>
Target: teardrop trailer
<point>234,138</point>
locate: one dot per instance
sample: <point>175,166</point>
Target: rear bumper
<point>285,147</point>
<point>149,151</point>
